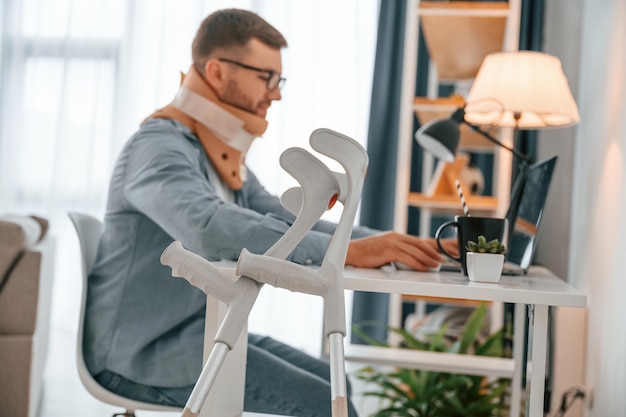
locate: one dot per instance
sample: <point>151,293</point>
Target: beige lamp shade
<point>525,89</point>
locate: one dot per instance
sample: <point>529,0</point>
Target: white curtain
<point>77,77</point>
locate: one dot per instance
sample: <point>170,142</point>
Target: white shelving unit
<point>458,34</point>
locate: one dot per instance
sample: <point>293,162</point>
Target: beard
<point>235,97</point>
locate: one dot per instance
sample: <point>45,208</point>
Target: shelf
<point>464,8</point>
<point>477,204</point>
<point>460,34</point>
<point>459,302</point>
<point>431,361</point>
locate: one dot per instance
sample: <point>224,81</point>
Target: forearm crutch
<point>319,190</point>
<point>327,281</point>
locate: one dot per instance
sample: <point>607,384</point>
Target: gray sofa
<point>26,277</point>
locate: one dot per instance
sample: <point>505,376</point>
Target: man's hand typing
<point>415,252</point>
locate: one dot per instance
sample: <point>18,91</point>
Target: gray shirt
<point>140,321</point>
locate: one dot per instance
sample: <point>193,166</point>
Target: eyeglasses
<point>273,79</point>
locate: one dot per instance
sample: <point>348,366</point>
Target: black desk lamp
<point>441,137</point>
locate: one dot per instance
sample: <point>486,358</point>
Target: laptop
<point>528,199</point>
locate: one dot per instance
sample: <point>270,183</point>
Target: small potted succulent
<point>484,260</point>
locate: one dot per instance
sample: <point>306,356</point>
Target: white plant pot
<point>484,267</point>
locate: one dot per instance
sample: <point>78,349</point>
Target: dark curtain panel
<point>378,191</point>
<point>531,39</point>
<point>379,186</point>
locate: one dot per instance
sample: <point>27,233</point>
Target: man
<point>182,177</point>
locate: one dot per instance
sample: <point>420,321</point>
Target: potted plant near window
<point>484,260</point>
<point>419,393</point>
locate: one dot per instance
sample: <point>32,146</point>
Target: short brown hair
<point>231,28</point>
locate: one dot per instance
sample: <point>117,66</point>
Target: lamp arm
<point>515,152</point>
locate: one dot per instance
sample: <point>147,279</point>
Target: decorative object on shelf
<point>445,176</point>
<point>420,393</point>
<point>484,260</point>
<point>443,182</point>
<point>474,180</point>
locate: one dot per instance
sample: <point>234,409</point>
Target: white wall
<point>582,239</point>
<point>562,38</point>
<point>599,196</point>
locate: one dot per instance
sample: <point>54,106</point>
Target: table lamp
<point>523,90</point>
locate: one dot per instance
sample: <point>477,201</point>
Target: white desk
<point>539,289</point>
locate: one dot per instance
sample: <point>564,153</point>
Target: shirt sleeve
<point>166,180</point>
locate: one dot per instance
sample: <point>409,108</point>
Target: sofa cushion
<point>18,396</point>
<point>17,233</point>
<point>20,268</point>
<point>20,296</point>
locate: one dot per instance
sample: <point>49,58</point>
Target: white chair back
<point>88,229</point>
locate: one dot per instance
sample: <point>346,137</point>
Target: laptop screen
<point>527,203</point>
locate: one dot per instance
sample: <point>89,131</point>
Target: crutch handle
<point>199,272</point>
<point>280,273</point>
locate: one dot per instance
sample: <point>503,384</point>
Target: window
<point>77,78</point>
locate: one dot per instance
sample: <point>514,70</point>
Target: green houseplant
<point>484,259</point>
<point>482,246</point>
<point>419,393</point>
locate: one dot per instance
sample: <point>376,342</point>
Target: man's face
<point>246,88</point>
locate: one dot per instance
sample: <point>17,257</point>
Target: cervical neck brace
<point>225,132</point>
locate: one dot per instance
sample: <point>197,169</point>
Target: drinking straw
<point>460,191</point>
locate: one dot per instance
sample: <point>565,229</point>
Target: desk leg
<point>519,328</point>
<point>226,396</point>
<point>538,370</point>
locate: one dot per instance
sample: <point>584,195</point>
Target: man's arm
<point>166,180</point>
<point>368,248</point>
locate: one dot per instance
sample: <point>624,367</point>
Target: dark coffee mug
<point>468,229</point>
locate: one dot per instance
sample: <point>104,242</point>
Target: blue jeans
<point>279,380</point>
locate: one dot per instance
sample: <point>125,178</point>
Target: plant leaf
<point>493,346</point>
<point>357,329</point>
<point>472,327</point>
